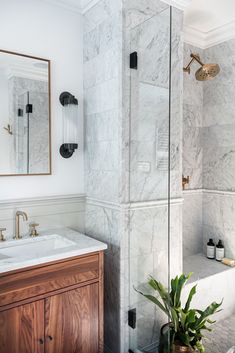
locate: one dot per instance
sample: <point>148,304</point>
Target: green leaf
<point>191,294</point>
<point>177,285</point>
<point>210,310</point>
<point>175,320</point>
<point>156,302</point>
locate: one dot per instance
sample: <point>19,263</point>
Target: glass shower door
<point>149,174</point>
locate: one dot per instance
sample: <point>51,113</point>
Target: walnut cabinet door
<point>22,329</point>
<point>72,321</point>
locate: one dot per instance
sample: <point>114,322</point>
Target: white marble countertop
<point>75,244</point>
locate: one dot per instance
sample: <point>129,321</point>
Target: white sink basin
<point>50,246</point>
<point>34,247</point>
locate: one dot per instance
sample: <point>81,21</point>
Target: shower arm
<point>194,57</point>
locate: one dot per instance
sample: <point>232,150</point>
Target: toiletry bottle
<point>219,251</point>
<point>210,249</point>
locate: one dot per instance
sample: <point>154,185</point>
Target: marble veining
<point>130,166</point>
<point>209,151</point>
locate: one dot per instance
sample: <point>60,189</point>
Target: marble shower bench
<point>215,282</point>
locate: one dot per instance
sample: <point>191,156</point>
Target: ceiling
<point>73,5</point>
<point>209,21</point>
<point>206,15</point>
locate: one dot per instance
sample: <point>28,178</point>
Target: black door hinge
<point>20,112</point>
<point>134,60</point>
<point>29,108</point>
<point>132,318</point>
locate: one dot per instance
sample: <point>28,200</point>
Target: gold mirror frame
<point>49,109</point>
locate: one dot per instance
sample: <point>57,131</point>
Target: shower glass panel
<point>149,173</point>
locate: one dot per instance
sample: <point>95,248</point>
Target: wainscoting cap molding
<point>42,200</point>
<point>206,40</point>
<point>208,191</point>
<point>133,205</point>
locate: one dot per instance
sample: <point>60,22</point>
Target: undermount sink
<point>34,247</point>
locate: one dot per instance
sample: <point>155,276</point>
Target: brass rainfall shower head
<point>206,71</point>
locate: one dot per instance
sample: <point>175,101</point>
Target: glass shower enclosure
<point>155,170</point>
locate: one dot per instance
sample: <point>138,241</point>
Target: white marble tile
<point>152,42</point>
<point>138,12</point>
<point>192,224</point>
<point>102,11</point>
<point>102,185</point>
<point>219,136</point>
<point>102,127</point>
<point>219,168</point>
<point>102,97</point>
<point>102,67</point>
<point>193,115</point>
<point>103,156</point>
<point>218,114</point>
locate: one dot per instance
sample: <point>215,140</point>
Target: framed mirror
<point>25,118</point>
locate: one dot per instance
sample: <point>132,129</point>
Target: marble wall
<point>192,154</point>
<point>102,111</point>
<point>219,120</point>
<point>219,148</point>
<point>126,155</point>
<point>208,152</point>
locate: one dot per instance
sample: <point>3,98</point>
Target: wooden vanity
<point>54,307</point>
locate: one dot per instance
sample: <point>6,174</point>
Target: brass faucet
<point>185,181</point>
<point>17,223</point>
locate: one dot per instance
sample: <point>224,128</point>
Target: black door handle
<point>41,341</point>
<point>50,338</point>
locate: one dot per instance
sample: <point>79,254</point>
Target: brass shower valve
<point>185,181</point>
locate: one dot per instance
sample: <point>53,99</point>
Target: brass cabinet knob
<point>2,238</point>
<point>33,231</point>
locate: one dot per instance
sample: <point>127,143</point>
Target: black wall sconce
<point>70,124</point>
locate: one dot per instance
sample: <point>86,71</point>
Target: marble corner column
<point>126,174</point>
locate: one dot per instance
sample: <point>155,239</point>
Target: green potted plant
<point>184,330</point>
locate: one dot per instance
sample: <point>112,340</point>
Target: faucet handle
<point>2,238</point>
<point>34,232</point>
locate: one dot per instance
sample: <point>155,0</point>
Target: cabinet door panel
<point>72,321</point>
<point>22,329</point>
